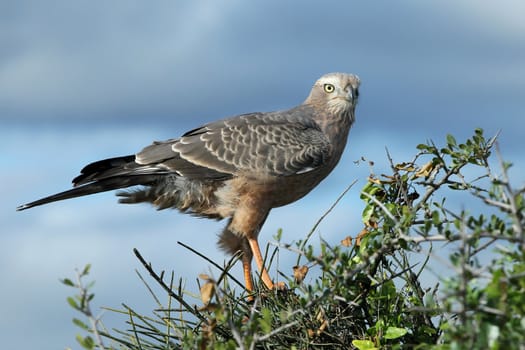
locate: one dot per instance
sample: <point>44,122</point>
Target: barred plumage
<point>237,168</point>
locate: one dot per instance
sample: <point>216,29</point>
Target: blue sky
<point>88,80</point>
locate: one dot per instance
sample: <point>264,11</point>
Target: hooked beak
<point>353,93</point>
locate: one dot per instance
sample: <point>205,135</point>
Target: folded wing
<point>255,144</point>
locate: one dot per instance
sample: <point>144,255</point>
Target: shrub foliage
<point>439,264</point>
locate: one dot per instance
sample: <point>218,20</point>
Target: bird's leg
<point>246,223</point>
<point>247,265</point>
<point>247,269</point>
<point>256,251</point>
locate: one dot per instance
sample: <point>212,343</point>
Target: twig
<point>133,326</point>
<point>517,215</point>
<point>503,206</point>
<point>382,206</point>
<point>223,269</point>
<point>160,281</point>
<point>86,310</point>
<point>303,243</point>
<point>277,330</point>
<point>148,288</point>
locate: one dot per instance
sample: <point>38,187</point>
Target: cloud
<point>84,81</point>
<point>129,60</point>
<point>106,59</point>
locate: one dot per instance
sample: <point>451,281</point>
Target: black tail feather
<point>97,170</point>
<point>104,185</point>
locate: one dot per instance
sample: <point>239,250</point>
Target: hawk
<point>237,168</point>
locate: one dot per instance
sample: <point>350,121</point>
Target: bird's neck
<point>336,125</point>
<point>337,128</point>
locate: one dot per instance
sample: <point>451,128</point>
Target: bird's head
<point>337,91</point>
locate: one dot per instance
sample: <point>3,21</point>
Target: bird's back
<point>281,155</point>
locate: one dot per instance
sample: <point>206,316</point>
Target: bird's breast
<point>266,192</point>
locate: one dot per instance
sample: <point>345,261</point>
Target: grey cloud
<point>85,80</point>
<point>140,61</point>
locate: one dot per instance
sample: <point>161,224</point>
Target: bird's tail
<point>102,176</point>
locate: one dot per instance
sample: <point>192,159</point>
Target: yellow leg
<point>254,245</point>
<point>247,269</point>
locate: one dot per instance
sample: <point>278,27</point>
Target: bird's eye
<point>329,88</point>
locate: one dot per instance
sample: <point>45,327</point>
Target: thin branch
<point>382,206</point>
<point>517,215</point>
<point>148,288</point>
<point>86,310</point>
<point>303,243</point>
<point>457,237</point>
<point>224,270</point>
<point>503,206</point>
<point>484,246</point>
<point>160,281</point>
<point>277,330</point>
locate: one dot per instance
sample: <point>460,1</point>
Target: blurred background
<point>85,80</point>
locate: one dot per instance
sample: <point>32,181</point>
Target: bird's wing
<point>251,144</point>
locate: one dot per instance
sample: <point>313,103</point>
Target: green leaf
<point>395,332</point>
<point>90,285</point>
<point>367,212</point>
<point>451,140</point>
<point>87,342</point>
<point>67,282</point>
<point>80,324</point>
<point>86,270</point>
<point>364,345</point>
<point>73,303</point>
<point>278,235</point>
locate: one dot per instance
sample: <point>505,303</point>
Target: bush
<point>370,292</point>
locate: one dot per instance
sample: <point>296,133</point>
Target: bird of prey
<point>237,168</point>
